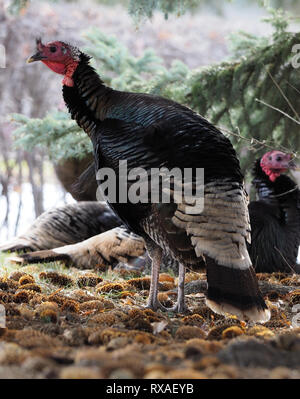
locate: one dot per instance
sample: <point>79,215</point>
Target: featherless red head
<point>60,57</point>
<point>275,162</point>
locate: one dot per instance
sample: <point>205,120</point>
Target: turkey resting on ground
<point>64,225</point>
<point>73,234</point>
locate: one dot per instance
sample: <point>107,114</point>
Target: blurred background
<point>192,51</point>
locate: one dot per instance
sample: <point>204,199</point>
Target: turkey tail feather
<point>235,291</point>
<point>220,233</point>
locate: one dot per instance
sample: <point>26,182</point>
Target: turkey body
<point>153,132</point>
<point>275,223</point>
<point>64,225</point>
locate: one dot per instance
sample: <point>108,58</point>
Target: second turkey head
<point>275,162</point>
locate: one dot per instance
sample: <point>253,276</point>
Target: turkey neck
<point>88,101</point>
<point>272,192</point>
<point>263,186</point>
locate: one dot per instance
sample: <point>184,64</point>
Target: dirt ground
<point>66,323</point>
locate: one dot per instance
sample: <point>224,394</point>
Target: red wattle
<point>55,66</point>
<point>66,69</point>
<point>68,81</point>
<point>70,69</point>
<point>271,173</point>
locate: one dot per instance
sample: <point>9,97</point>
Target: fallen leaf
<point>159,326</point>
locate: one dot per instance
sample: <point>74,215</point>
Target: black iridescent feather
<point>150,131</point>
<point>275,223</point>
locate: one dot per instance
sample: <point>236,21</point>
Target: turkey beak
<point>293,165</point>
<point>36,57</point>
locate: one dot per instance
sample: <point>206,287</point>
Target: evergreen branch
<point>278,110</point>
<point>255,142</point>
<point>282,93</point>
<point>293,87</point>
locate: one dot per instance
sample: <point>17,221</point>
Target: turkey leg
<point>180,305</point>
<point>156,255</point>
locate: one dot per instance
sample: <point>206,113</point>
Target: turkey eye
<point>52,49</point>
<point>279,159</point>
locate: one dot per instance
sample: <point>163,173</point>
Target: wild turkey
<point>64,225</point>
<point>275,216</point>
<point>153,132</point>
